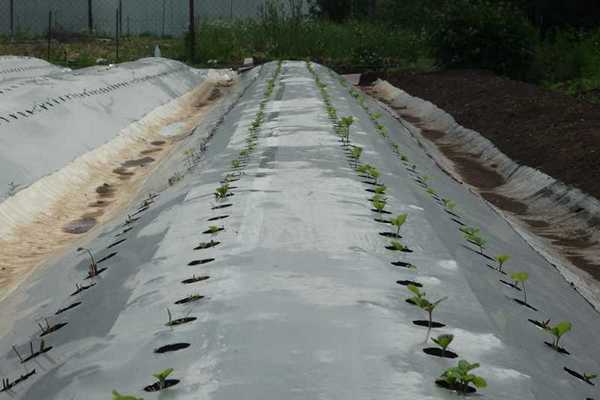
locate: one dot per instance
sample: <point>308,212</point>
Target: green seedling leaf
<point>375,116</point>
<point>221,192</point>
<point>363,169</point>
<point>398,222</point>
<point>396,245</point>
<point>521,278</point>
<point>356,152</point>
<point>213,229</point>
<point>460,376</point>
<point>117,396</point>
<point>502,259</point>
<point>559,330</point>
<point>379,205</point>
<point>432,191</point>
<point>443,341</point>
<point>374,173</point>
<point>449,204</point>
<point>415,290</point>
<point>380,189</point>
<point>589,377</point>
<point>162,376</point>
<point>236,163</point>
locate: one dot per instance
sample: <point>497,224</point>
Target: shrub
<point>484,34</point>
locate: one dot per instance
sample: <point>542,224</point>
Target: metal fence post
<point>192,32</point>
<point>49,33</point>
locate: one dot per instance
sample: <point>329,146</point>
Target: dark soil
<point>456,388</point>
<point>407,283</point>
<point>550,131</point>
<point>67,308</point>
<point>189,299</point>
<point>437,352</point>
<point>561,350</point>
<point>200,262</point>
<point>426,324</point>
<point>171,347</point>
<point>155,387</point>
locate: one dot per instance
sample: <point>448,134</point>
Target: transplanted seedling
<point>502,259</point>
<point>221,192</point>
<point>356,153</point>
<point>421,301</point>
<point>519,278</point>
<point>379,204</point>
<point>162,377</point>
<point>214,229</point>
<point>118,396</point>
<point>396,245</point>
<point>557,331</point>
<point>398,222</point>
<point>93,268</point>
<point>444,341</point>
<point>374,174</point>
<point>236,164</point>
<point>460,378</point>
<point>449,204</point>
<point>380,189</point>
<point>478,241</point>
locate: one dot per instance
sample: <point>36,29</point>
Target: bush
<point>484,34</point>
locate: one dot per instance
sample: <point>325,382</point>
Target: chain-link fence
<point>157,17</point>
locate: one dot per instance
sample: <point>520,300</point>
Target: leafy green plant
<point>469,231</point>
<point>421,301</point>
<point>502,259</point>
<point>460,377</point>
<point>432,192</point>
<point>364,169</point>
<point>519,278</point>
<point>557,331</point>
<point>398,221</point>
<point>374,174</point>
<point>162,377</point>
<point>356,153</point>
<point>380,189</point>
<point>397,246</point>
<point>221,192</point>
<point>449,204</point>
<point>214,229</point>
<point>117,396</point>
<point>375,116</point>
<point>589,377</point>
<point>443,341</point>
<point>379,204</point>
<point>479,242</point>
<point>236,164</point>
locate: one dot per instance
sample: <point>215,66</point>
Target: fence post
<point>117,35</point>
<point>90,17</point>
<point>120,16</point>
<point>12,19</point>
<point>192,32</point>
<point>164,14</point>
<point>49,33</point>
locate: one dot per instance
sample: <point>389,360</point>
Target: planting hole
<point>406,283</point>
<point>218,218</point>
<point>427,325</point>
<point>200,262</point>
<point>206,245</point>
<point>155,387</point>
<point>118,242</point>
<point>521,302</point>
<point>383,221</point>
<point>437,352</point>
<point>195,279</point>
<point>209,232</point>
<point>189,299</point>
<point>561,350</point>
<point>455,387</point>
<point>108,257</point>
<point>171,347</point>
<point>390,235</point>
<point>181,321</point>
<point>403,264</point>
<point>578,376</point>
<point>512,285</point>
<point>67,308</point>
<point>222,206</point>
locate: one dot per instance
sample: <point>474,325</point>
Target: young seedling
<point>449,204</point>
<point>421,301</point>
<point>214,229</point>
<point>93,268</point>
<point>443,341</point>
<point>162,377</point>
<point>364,169</point>
<point>479,242</point>
<point>432,192</point>
<point>236,164</point>
<point>377,197</point>
<point>379,204</point>
<point>395,245</point>
<point>356,153</point>
<point>221,192</point>
<point>380,189</point>
<point>558,331</point>
<point>398,222</point>
<point>374,174</point>
<point>460,377</point>
<point>519,278</point>
<point>589,377</point>
<point>502,259</point>
<point>117,396</point>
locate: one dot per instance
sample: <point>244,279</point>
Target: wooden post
<point>120,16</point>
<point>117,34</point>
<point>164,15</point>
<point>90,17</point>
<point>192,32</point>
<point>49,33</point>
<point>12,19</point>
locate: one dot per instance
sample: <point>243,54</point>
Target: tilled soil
<point>550,131</point>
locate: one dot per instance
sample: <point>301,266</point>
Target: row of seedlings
<point>222,194</point>
<point>94,270</point>
<point>460,377</point>
<point>473,236</point>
